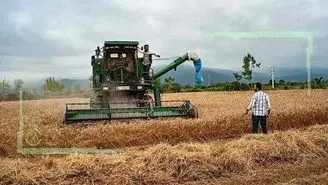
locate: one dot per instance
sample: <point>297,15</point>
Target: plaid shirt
<point>146,58</point>
<point>260,104</point>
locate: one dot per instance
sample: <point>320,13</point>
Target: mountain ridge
<point>185,75</point>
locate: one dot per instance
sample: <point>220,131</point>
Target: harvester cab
<point>121,86</point>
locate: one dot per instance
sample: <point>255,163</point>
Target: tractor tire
<point>189,110</point>
<point>142,102</point>
<point>193,112</point>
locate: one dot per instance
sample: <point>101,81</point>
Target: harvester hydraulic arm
<point>171,66</point>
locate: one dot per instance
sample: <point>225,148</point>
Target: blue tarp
<point>198,75</point>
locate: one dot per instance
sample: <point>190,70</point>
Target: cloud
<point>58,37</point>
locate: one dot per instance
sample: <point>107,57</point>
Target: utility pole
<point>272,69</point>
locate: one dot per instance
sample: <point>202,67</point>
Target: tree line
<point>170,86</point>
<point>249,63</point>
<point>51,87</point>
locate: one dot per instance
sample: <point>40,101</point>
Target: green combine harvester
<point>121,81</point>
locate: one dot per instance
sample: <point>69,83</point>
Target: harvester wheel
<point>144,101</point>
<point>194,112</point>
<point>150,105</point>
<point>189,110</point>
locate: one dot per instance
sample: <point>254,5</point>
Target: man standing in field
<point>260,106</point>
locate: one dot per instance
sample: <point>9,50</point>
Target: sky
<point>57,38</point>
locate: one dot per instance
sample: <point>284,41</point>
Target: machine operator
<point>147,57</point>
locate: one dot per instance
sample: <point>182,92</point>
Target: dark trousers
<point>255,124</point>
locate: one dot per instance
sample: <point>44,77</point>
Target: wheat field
<point>216,148</point>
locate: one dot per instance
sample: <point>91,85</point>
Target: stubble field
<point>215,148</point>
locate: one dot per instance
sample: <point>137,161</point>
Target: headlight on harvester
<point>105,88</point>
<point>122,88</point>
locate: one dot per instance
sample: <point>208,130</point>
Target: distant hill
<point>185,75</point>
<point>300,74</point>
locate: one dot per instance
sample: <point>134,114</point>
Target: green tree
<point>249,63</point>
<point>170,85</point>
<point>237,76</point>
<point>235,85</point>
<point>36,92</point>
<point>169,80</point>
<point>53,85</point>
<point>4,89</point>
<point>157,82</point>
<point>281,82</point>
<point>318,81</point>
<point>18,85</point>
